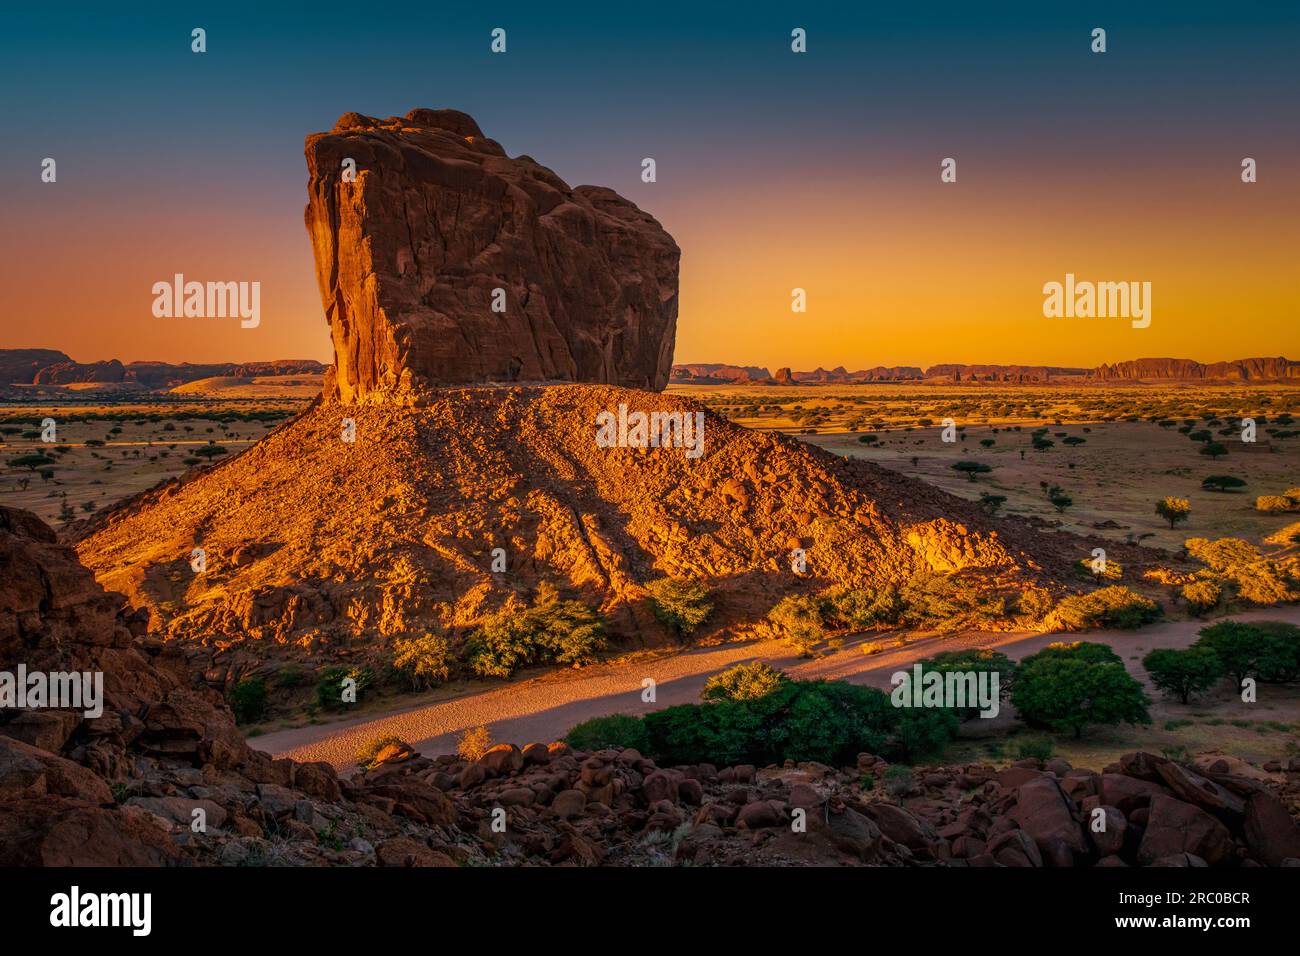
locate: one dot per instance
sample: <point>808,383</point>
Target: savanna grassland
<point>105,452</point>
<point>1113,452</point>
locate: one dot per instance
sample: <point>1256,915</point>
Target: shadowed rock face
<point>409,254</point>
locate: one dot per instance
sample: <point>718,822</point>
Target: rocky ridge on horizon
<point>52,367</point>
<point>1137,371</point>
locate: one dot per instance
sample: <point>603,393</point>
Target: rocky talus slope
<point>123,788</point>
<point>319,546</point>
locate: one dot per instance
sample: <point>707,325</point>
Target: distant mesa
<point>54,368</point>
<point>1135,372</point>
<point>410,253</point>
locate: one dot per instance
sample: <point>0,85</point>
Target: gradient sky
<point>775,170</point>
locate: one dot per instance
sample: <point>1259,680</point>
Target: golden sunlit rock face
<point>315,542</point>
<point>441,260</point>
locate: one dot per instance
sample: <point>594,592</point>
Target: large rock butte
<point>409,253</point>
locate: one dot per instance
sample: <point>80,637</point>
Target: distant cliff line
<point>1136,371</point>
<point>52,367</point>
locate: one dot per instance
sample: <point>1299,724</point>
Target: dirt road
<point>545,708</point>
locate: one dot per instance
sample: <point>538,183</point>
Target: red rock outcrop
<point>410,253</point>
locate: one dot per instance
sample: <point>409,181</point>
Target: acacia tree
<point>1215,450</point>
<point>1222,483</point>
<point>1069,687</point>
<point>1181,673</point>
<point>1174,510</point>
<point>971,468</point>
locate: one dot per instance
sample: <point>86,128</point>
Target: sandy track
<point>543,709</point>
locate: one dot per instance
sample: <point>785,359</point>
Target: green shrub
<point>329,688</point>
<point>976,660</point>
<point>1268,651</point>
<point>945,600</point>
<point>1113,606</point>
<point>858,608</point>
<point>1035,748</point>
<point>617,730</point>
<point>248,700</point>
<point>798,617</point>
<point>825,721</point>
<point>1280,661</point>
<point>682,605</point>
<point>1067,687</point>
<point>1181,673</point>
<point>743,682</point>
<point>423,662</point>
<point>550,631</point>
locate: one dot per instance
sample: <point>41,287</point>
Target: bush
<point>423,662</point>
<point>1268,651</point>
<point>858,608</point>
<point>799,619</point>
<point>329,689</point>
<point>682,605</point>
<point>977,660</point>
<point>550,631</point>
<point>1274,503</point>
<point>947,601</point>
<point>1113,606</point>
<point>1067,687</point>
<point>1202,595</point>
<point>826,721</point>
<point>369,751</point>
<point>474,743</point>
<point>1280,661</point>
<point>1034,748</point>
<point>1183,673</point>
<point>618,731</point>
<point>743,682</point>
<point>1111,570</point>
<point>248,700</point>
<point>1223,554</point>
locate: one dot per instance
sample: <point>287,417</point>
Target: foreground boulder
<point>411,252</point>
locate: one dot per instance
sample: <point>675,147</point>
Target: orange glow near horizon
<point>896,273</point>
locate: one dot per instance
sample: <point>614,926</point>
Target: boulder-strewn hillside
<point>127,787</point>
<point>410,256</point>
<point>316,545</point>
